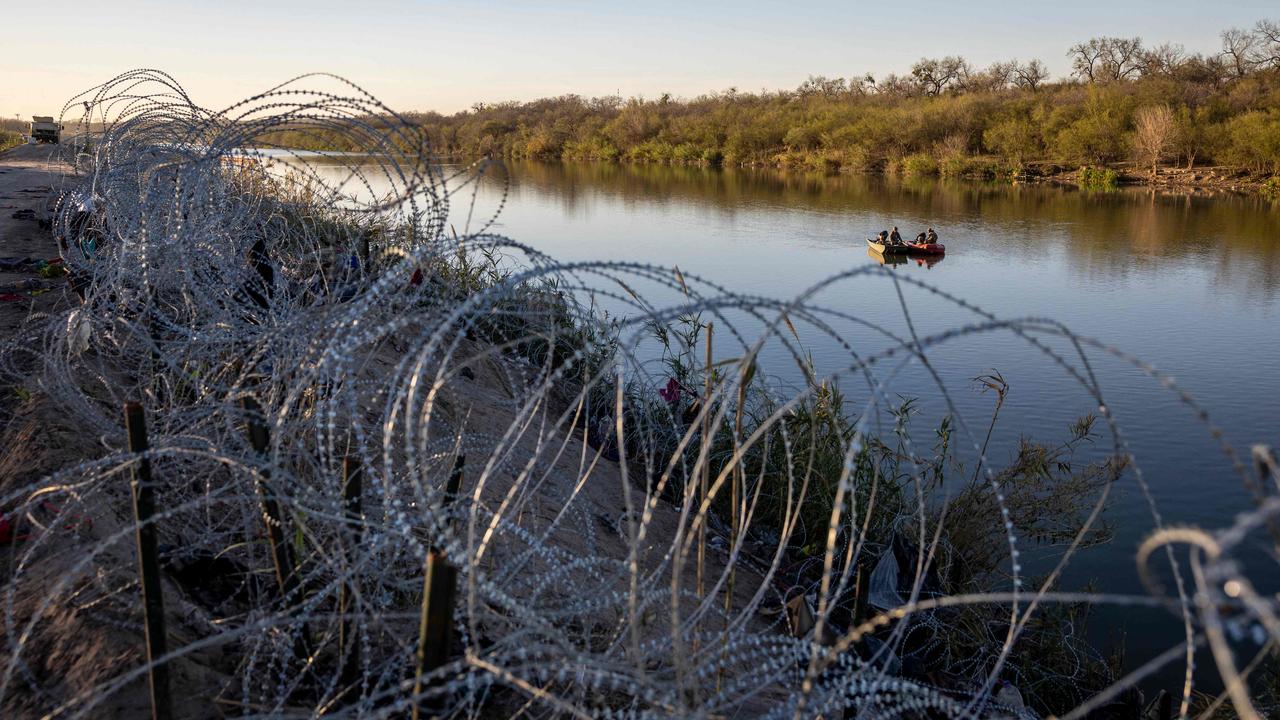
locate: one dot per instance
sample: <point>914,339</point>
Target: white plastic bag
<point>883,585</point>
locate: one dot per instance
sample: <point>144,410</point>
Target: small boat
<point>886,249</point>
<point>894,259</point>
<point>926,248</point>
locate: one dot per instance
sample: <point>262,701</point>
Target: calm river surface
<point>1188,284</point>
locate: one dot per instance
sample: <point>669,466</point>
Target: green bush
<point>1015,139</point>
<point>687,153</point>
<point>803,137</point>
<point>1092,178</point>
<point>545,144</point>
<point>9,139</point>
<point>858,157</point>
<point>752,144</point>
<point>651,151</point>
<point>594,148</point>
<point>967,166</point>
<point>825,161</point>
<point>1225,121</point>
<point>1091,139</point>
<point>919,165</point>
<point>953,167</point>
<point>1253,141</point>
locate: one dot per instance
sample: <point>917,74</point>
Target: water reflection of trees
<point>1238,236</point>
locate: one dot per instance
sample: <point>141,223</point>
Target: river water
<point>1190,284</point>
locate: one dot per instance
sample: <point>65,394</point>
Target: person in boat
<point>920,238</point>
<point>895,237</point>
<point>932,237</point>
<point>883,237</point>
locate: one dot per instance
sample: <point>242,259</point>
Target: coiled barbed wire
<point>648,522</point>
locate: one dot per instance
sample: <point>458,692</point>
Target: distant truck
<point>45,130</point>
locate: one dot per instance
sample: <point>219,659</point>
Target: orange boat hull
<point>927,248</point>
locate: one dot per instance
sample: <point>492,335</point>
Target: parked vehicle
<point>45,130</point>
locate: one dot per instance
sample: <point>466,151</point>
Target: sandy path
<point>29,175</point>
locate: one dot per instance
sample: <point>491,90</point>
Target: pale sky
<point>446,56</point>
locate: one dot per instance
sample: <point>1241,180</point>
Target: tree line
<point>1123,101</point>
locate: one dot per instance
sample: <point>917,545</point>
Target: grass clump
<point>1095,178</point>
<point>919,165</point>
<point>9,138</point>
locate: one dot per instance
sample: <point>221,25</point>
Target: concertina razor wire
<point>643,522</point>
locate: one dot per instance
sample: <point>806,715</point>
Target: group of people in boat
<point>895,238</point>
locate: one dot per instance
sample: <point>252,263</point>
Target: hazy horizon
<point>424,56</point>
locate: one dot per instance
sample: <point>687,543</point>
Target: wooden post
<point>859,598</point>
<point>1263,461</point>
<point>352,506</point>
<point>281,555</point>
<point>738,481</point>
<point>704,477</point>
<point>736,491</point>
<point>157,365</point>
<point>439,586</point>
<point>435,624</point>
<point>455,481</point>
<point>1165,710</point>
<point>148,564</point>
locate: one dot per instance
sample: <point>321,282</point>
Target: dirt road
<point>29,177</point>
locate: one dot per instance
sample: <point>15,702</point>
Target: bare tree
<point>896,86</point>
<point>1153,134</point>
<point>1003,70</point>
<point>935,77</point>
<point>820,85</point>
<point>1123,60</point>
<point>1084,60</point>
<point>1238,48</point>
<point>952,146</point>
<point>1267,36</point>
<point>1163,59</point>
<point>1197,69</point>
<point>996,77</point>
<point>1030,76</point>
<point>1107,59</point>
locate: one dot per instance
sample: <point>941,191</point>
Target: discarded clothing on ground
<point>23,286</point>
<point>27,264</point>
